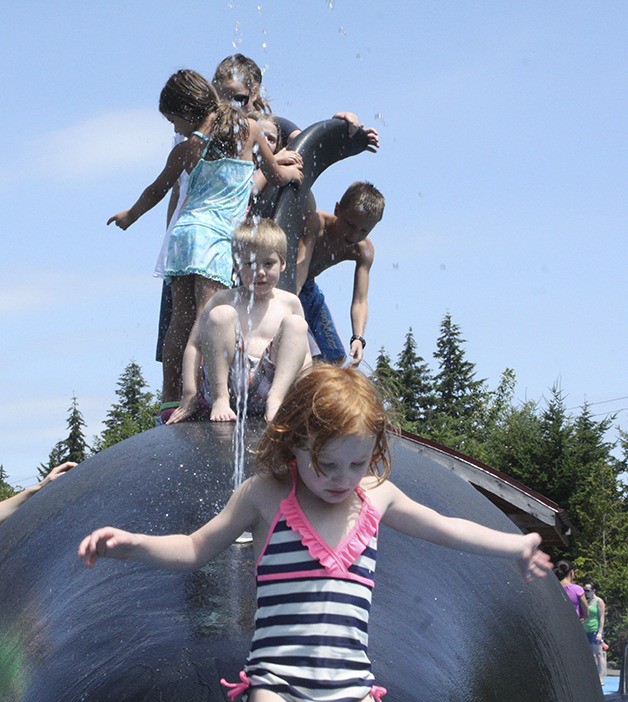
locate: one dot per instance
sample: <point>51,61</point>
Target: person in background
<point>594,628</point>
<point>11,504</point>
<point>565,572</point>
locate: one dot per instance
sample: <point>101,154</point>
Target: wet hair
<point>264,234</point>
<point>364,197</point>
<point>562,569</point>
<point>244,70</point>
<point>264,117</point>
<point>325,403</point>
<point>190,96</point>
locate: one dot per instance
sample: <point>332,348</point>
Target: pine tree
<point>385,377</point>
<point>6,490</point>
<point>415,385</point>
<point>458,393</point>
<point>77,448</point>
<point>73,447</point>
<point>133,413</point>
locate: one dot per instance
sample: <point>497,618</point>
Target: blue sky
<point>504,164</point>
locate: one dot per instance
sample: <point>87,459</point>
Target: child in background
<point>329,239</point>
<point>314,509</point>
<point>218,154</point>
<point>252,339</point>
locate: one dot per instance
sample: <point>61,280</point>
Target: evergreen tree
<point>415,385</point>
<point>72,448</point>
<point>458,393</point>
<point>6,490</point>
<point>76,446</point>
<point>133,413</point>
<point>385,377</point>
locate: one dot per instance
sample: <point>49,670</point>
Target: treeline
<point>565,457</point>
<point>133,412</point>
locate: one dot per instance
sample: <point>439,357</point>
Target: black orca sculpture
<point>444,625</point>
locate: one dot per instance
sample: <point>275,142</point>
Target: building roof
<point>528,509</point>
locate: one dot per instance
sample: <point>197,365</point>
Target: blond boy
<point>252,338</point>
<point>329,239</point>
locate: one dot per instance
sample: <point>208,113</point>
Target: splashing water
<point>237,35</point>
<point>379,117</point>
<point>242,370</point>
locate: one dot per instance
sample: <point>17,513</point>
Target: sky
<point>503,162</point>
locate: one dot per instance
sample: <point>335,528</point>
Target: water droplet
<point>379,117</point>
<point>259,9</point>
<point>358,57</point>
<point>330,4</point>
<point>342,30</point>
<point>264,46</point>
<point>395,266</point>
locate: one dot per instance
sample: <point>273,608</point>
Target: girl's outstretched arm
<point>180,158</point>
<point>410,517</point>
<point>176,551</point>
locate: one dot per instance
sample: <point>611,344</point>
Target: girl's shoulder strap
<point>212,152</point>
<point>202,136</point>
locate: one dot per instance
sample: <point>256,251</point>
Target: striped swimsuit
<point>313,603</point>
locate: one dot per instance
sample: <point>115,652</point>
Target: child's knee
<point>294,324</point>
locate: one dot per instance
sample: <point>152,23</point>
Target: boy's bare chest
<point>329,252</point>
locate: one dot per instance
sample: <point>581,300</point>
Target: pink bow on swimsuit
<point>236,688</point>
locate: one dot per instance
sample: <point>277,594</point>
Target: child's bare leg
<point>257,695</point>
<point>181,322</point>
<point>218,342</point>
<point>290,353</point>
<point>190,294</point>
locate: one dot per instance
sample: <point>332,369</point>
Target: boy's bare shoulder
<point>287,298</point>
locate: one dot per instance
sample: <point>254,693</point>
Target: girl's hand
<point>121,220</point>
<point>107,542</point>
<point>372,138</point>
<point>288,158</point>
<point>296,174</point>
<point>534,563</point>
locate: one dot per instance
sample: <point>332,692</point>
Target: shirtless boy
<point>329,239</point>
<point>253,335</point>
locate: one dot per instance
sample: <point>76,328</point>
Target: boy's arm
<point>176,551</point>
<point>177,160</point>
<point>359,302</point>
<point>411,518</point>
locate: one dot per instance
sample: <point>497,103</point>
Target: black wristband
<point>361,339</point>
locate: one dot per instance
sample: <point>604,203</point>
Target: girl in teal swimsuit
<point>218,153</point>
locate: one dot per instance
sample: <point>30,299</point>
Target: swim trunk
<point>250,379</point>
<point>320,322</point>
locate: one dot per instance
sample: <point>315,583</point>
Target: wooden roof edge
<point>560,513</point>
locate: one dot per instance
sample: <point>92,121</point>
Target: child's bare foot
<point>222,412</point>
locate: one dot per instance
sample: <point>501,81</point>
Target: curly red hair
<point>324,403</point>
